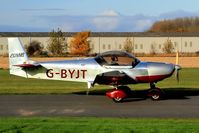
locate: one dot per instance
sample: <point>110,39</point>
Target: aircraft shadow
<point>180,93</point>
<point>137,95</point>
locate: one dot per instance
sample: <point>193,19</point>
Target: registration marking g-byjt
<point>67,73</point>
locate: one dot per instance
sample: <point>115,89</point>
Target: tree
<point>34,48</point>
<point>168,47</point>
<point>128,45</point>
<point>153,48</point>
<point>79,45</point>
<point>57,43</point>
<point>176,25</point>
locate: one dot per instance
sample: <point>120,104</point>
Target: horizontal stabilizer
<point>28,65</point>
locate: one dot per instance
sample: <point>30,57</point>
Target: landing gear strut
<point>154,93</point>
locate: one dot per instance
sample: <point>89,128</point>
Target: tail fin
<point>17,55</point>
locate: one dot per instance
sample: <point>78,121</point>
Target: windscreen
<point>117,58</point>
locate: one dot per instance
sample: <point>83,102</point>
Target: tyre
<point>155,94</point>
<point>117,95</point>
<point>117,99</point>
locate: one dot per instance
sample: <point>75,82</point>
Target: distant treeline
<point>176,25</point>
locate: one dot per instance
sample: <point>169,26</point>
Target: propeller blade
<point>177,68</point>
<point>177,76</point>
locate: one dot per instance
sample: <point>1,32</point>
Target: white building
<point>105,41</point>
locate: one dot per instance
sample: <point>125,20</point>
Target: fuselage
<point>110,68</point>
<point>86,70</point>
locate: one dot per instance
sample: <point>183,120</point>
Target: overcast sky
<point>94,15</point>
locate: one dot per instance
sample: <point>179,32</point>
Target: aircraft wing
<point>114,78</point>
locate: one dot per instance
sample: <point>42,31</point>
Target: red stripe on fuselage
<point>152,78</point>
<point>25,65</point>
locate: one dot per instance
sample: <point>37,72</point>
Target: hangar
<point>105,41</point>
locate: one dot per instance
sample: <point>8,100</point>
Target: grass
<point>17,85</point>
<point>93,125</point>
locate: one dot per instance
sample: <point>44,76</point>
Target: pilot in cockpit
<point>114,60</point>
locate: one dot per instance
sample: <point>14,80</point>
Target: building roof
<point>103,34</point>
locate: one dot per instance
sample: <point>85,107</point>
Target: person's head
<point>113,58</point>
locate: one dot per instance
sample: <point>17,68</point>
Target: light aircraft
<point>114,68</point>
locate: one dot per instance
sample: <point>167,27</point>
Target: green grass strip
<point>96,125</point>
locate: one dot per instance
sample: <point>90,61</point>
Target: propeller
<point>177,67</point>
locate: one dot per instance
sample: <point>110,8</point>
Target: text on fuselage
<point>15,55</point>
<point>67,73</point>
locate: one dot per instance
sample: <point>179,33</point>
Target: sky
<point>93,15</point>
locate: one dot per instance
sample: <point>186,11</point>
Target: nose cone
<point>177,67</point>
<point>158,71</point>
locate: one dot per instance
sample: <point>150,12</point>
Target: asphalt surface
<point>97,106</point>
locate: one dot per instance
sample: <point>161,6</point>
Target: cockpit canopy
<point>116,58</point>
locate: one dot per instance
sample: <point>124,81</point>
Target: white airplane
<point>110,68</point>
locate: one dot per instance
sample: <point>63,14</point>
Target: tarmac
<point>81,105</point>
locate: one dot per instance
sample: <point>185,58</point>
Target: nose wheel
<point>155,93</point>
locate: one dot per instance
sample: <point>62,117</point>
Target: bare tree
<point>57,43</point>
<point>34,48</point>
<point>168,47</point>
<point>153,48</point>
<point>128,45</point>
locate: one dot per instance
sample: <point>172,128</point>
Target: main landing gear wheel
<point>117,99</point>
<point>118,94</point>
